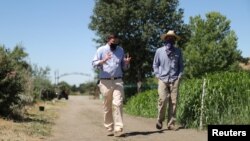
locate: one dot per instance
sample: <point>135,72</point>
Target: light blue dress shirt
<point>113,67</point>
<point>168,68</point>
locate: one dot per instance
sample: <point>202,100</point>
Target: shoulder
<point>102,48</point>
<point>120,48</point>
<point>160,49</point>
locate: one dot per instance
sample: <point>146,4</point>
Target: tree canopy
<point>139,25</point>
<point>212,46</point>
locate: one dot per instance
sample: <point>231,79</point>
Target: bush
<point>131,90</point>
<point>15,91</point>
<point>48,94</point>
<point>143,104</point>
<point>41,81</point>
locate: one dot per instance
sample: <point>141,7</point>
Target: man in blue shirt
<point>168,69</point>
<point>110,61</point>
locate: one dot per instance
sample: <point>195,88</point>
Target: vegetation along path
<point>82,120</point>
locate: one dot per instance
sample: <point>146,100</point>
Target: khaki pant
<point>113,96</point>
<point>168,94</point>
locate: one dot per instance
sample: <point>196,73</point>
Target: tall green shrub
<point>143,104</point>
<point>226,100</point>
<point>15,91</point>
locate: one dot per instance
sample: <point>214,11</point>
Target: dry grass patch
<point>36,125</point>
<point>245,66</point>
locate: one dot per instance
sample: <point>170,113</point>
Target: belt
<point>112,78</point>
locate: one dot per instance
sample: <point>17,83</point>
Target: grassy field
<point>36,125</point>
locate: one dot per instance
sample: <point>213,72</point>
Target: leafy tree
<point>139,25</point>
<point>87,87</point>
<point>19,55</point>
<point>74,88</point>
<point>15,82</point>
<point>212,46</point>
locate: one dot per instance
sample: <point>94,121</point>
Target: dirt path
<point>82,120</point>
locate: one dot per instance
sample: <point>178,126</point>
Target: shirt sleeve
<point>156,64</point>
<point>96,60</point>
<point>181,66</point>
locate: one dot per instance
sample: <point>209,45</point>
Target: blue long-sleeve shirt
<point>114,66</point>
<point>168,67</point>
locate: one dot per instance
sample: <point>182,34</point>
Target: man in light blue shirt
<point>110,61</point>
<point>168,68</point>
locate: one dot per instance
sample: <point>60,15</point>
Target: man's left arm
<point>126,62</point>
<point>181,66</point>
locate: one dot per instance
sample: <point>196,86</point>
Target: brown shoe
<point>173,127</point>
<point>110,132</point>
<point>118,133</point>
<point>158,125</point>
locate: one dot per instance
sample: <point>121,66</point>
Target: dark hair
<point>112,35</point>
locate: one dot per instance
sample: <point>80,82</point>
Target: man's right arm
<point>96,63</point>
<point>99,60</point>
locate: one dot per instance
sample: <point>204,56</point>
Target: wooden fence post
<point>202,103</point>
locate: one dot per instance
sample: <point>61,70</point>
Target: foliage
<point>40,81</point>
<point>88,87</point>
<point>226,100</point>
<point>212,46</point>
<point>131,89</point>
<point>143,104</point>
<point>139,25</point>
<point>48,94</point>
<point>15,88</point>
<point>74,88</point>
<point>20,83</point>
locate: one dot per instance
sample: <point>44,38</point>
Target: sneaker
<point>118,133</point>
<point>159,125</point>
